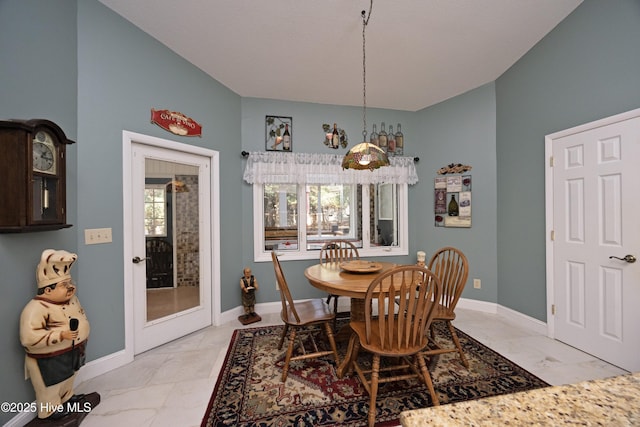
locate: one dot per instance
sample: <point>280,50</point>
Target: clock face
<point>44,153</point>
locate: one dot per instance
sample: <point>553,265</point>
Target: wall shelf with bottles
<point>391,142</point>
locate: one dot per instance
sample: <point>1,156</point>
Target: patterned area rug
<point>249,391</point>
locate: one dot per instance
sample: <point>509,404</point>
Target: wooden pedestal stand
<point>246,319</point>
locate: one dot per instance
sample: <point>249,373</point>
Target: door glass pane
<point>171,238</point>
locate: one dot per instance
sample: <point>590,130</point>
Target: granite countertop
<point>612,401</point>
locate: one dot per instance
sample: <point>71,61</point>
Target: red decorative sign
<point>176,123</point>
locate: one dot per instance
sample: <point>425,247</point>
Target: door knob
<point>138,260</point>
<point>628,258</point>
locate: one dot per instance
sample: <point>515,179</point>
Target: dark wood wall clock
<point>33,176</point>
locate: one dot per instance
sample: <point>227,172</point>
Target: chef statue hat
<point>54,267</point>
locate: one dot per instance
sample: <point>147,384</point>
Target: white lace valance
<point>300,168</point>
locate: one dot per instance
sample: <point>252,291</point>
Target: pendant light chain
<point>364,72</point>
<point>365,155</point>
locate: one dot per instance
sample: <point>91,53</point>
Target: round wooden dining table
<point>331,278</point>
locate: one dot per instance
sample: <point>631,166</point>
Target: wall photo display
<point>452,201</point>
<point>278,133</point>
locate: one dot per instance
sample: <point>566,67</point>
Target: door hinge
<point>553,235</point>
<point>551,161</point>
<point>553,309</point>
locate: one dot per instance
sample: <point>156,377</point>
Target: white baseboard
<point>482,306</point>
<point>20,420</point>
<point>515,317</point>
<point>103,365</point>
<point>264,308</point>
<point>518,318</point>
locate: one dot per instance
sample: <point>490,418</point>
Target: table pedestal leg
<point>345,366</point>
<point>357,314</point>
<point>357,309</point>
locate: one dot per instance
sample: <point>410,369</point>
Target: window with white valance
<point>297,168</point>
<point>301,200</point>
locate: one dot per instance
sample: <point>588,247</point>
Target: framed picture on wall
<point>278,133</point>
<point>452,201</point>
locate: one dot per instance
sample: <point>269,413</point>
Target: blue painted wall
<point>122,74</point>
<point>586,69</point>
<point>460,130</point>
<point>38,79</point>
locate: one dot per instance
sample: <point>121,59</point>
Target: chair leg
<point>456,341</point>
<point>427,379</point>
<point>335,311</point>
<point>287,360</point>
<point>432,331</point>
<point>284,334</point>
<point>373,392</point>
<point>332,342</point>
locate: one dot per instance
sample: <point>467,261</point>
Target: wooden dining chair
<point>303,317</point>
<point>334,251</point>
<point>405,298</point>
<point>452,268</point>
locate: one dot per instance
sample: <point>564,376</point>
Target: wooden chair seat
<point>375,340</point>
<point>301,318</point>
<point>443,313</point>
<point>310,312</point>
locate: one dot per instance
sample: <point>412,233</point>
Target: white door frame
<point>549,208</point>
<point>128,139</point>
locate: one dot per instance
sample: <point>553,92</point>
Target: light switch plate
<point>93,236</point>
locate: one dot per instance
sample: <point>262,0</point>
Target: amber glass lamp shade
<point>365,156</point>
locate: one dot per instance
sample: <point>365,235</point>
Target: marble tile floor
<point>171,385</point>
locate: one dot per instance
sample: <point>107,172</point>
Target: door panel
<point>595,206</point>
<point>173,220</point>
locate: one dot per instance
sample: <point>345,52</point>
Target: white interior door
<point>595,217</point>
<point>178,214</point>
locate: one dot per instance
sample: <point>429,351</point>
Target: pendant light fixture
<point>365,155</point>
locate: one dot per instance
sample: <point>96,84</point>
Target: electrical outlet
<point>93,236</point>
<point>476,283</point>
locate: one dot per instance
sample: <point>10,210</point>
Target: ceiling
<point>418,52</point>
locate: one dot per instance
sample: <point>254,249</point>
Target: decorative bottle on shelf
<point>374,136</point>
<point>391,142</point>
<point>453,206</point>
<point>335,137</point>
<point>286,138</point>
<point>382,138</point>
<point>399,142</point>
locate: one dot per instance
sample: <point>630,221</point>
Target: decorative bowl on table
<point>360,266</point>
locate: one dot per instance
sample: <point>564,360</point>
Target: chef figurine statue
<point>54,331</point>
<point>249,286</point>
